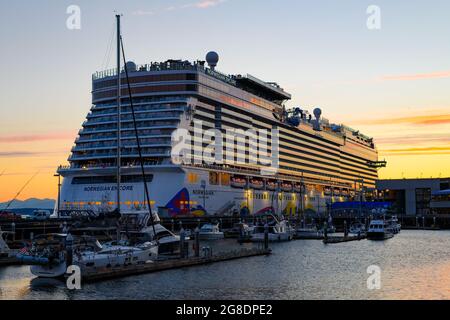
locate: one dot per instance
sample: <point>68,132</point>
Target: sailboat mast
<point>118,113</point>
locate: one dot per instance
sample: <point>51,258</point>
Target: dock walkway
<point>109,273</point>
<point>339,239</point>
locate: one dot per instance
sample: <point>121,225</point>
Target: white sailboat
<point>277,230</point>
<point>48,256</point>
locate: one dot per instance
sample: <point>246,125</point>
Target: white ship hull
<point>173,195</point>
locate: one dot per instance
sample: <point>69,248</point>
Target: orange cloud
<point>433,150</point>
<point>37,137</point>
<point>31,154</point>
<point>414,139</point>
<point>418,76</point>
<point>433,119</point>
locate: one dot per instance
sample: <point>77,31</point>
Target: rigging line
<point>2,172</point>
<point>20,191</point>
<point>137,139</point>
<point>107,56</point>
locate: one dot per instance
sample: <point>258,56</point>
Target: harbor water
<point>414,265</point>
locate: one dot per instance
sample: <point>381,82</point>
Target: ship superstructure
<point>308,161</point>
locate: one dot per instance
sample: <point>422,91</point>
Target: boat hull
<point>49,271</point>
<point>379,235</point>
<point>211,236</point>
<point>273,237</point>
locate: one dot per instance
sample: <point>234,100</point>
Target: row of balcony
<point>127,118</point>
<point>113,143</point>
<point>102,165</point>
<point>156,152</point>
<point>140,101</point>
<point>153,133</point>
<point>144,108</point>
<point>130,126</point>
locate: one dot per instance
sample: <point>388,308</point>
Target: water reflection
<point>414,265</point>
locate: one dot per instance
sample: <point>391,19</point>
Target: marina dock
<point>10,261</point>
<point>111,273</point>
<point>339,239</point>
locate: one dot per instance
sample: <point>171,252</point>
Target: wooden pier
<point>109,273</point>
<point>339,239</point>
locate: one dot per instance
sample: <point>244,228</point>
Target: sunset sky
<point>392,84</point>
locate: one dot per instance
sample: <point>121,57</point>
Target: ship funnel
<point>212,58</point>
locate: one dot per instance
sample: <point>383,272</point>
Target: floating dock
<point>339,239</point>
<point>109,273</point>
<point>10,261</point>
<point>308,237</point>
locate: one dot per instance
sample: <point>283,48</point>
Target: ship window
<point>225,179</point>
<point>192,178</point>
<point>213,178</point>
<point>111,179</point>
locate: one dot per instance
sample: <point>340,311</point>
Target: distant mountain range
<point>31,203</point>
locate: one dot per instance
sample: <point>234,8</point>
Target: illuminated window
<point>192,178</point>
<point>225,179</point>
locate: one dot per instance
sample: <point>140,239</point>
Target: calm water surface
<point>414,264</point>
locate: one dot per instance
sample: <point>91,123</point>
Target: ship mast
<point>118,114</point>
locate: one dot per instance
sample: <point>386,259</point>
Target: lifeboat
<point>256,183</point>
<point>238,182</point>
<point>286,186</point>
<point>271,185</point>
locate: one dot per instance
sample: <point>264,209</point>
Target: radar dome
<point>131,66</point>
<point>212,58</point>
<point>317,113</point>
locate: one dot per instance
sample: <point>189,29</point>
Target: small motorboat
<point>357,228</point>
<point>238,230</point>
<point>210,231</point>
<point>379,230</point>
<point>395,225</point>
<point>308,232</point>
<point>5,251</point>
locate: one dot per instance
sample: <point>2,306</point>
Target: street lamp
<point>59,193</point>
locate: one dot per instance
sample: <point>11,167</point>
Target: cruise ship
<point>262,157</point>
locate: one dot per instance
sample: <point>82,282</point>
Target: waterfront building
<point>416,196</point>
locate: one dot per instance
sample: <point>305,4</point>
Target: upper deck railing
<point>169,65</point>
<point>178,65</point>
